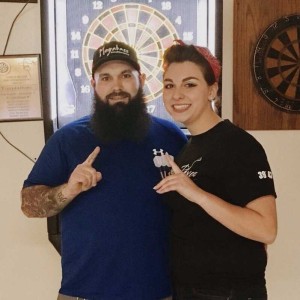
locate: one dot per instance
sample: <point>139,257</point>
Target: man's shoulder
<point>166,124</point>
<point>167,131</point>
<point>83,121</point>
<point>75,125</point>
<point>70,131</point>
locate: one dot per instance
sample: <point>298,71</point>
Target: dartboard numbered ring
<point>141,26</point>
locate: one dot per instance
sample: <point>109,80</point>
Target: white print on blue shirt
<point>265,174</point>
<point>161,162</point>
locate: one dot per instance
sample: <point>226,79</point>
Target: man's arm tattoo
<point>41,201</point>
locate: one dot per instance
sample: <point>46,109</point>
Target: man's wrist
<point>64,195</point>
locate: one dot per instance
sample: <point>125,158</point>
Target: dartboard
<point>149,26</point>
<point>141,26</point>
<point>276,63</point>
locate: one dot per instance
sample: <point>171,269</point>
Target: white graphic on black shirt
<point>187,169</point>
<point>161,162</point>
<point>265,174</point>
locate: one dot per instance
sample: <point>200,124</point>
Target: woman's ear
<point>213,91</point>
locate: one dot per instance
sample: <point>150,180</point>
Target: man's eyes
<point>123,76</point>
<point>104,78</point>
<point>127,75</point>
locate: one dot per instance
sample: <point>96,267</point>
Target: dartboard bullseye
<point>141,26</point>
<point>276,63</point>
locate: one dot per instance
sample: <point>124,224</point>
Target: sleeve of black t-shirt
<point>247,174</point>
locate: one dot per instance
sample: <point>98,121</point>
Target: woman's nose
<point>177,95</point>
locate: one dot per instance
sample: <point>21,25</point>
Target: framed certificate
<point>73,29</point>
<point>20,88</point>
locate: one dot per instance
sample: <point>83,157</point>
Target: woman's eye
<point>190,84</point>
<point>168,86</point>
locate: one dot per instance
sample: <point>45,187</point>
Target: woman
<point>220,190</point>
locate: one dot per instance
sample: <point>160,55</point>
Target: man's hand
<point>40,201</point>
<point>84,177</point>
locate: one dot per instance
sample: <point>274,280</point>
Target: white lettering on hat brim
<point>113,50</point>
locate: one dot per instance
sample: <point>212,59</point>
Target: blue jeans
<point>181,293</point>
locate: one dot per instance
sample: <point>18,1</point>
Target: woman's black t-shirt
<point>229,163</point>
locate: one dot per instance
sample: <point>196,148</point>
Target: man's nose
<point>117,84</point>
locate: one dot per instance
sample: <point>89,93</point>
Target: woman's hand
<point>178,181</point>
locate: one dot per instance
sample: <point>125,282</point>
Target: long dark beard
<point>113,123</point>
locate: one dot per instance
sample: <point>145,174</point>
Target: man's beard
<point>113,123</point>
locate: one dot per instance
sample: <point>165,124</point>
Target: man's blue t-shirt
<point>115,235</point>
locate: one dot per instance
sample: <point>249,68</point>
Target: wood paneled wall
<point>250,109</point>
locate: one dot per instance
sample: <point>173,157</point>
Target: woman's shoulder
<point>239,142</point>
<point>238,136</point>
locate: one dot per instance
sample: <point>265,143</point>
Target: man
<point>98,173</point>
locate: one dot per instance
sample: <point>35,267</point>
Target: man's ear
<point>142,79</point>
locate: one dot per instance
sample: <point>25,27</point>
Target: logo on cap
<point>113,50</point>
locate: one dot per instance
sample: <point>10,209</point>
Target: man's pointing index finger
<point>91,158</point>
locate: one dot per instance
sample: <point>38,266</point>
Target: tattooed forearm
<point>42,201</point>
<point>61,198</point>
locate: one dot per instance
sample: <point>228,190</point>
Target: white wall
<point>30,267</point>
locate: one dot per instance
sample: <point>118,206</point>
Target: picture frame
<point>20,88</point>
